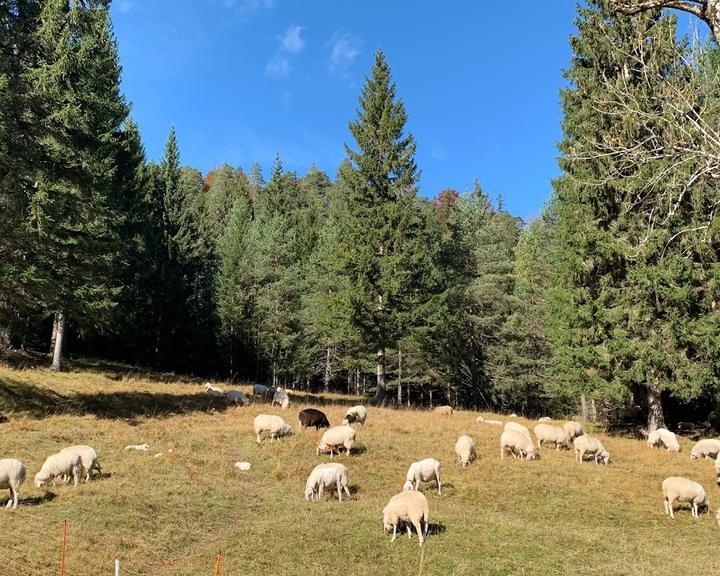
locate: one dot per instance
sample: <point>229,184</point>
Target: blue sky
<point>243,79</point>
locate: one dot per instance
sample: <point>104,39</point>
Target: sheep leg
<point>407,527</point>
<point>258,440</point>
<point>502,453</point>
<point>670,509</point>
<point>339,489</point>
<point>437,476</point>
<point>15,493</point>
<point>418,529</point>
<point>320,491</point>
<point>394,533</point>
<point>695,510</point>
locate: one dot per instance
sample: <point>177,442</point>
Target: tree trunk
<point>399,389</point>
<point>583,408</point>
<point>380,390</point>
<point>593,410</point>
<point>59,341</point>
<point>656,419</point>
<point>431,404</point>
<point>357,381</point>
<point>53,336</point>
<point>328,374</point>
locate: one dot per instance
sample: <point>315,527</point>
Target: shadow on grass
<point>16,396</point>
<point>37,500</point>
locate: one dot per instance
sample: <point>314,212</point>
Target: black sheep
<point>311,417</point>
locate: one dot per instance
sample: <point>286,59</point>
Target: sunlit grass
<point>172,513</point>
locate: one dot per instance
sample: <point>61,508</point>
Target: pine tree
<point>75,87</point>
<point>380,222</point>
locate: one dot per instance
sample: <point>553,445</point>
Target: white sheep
<point>88,457</point>
<point>326,475</point>
<point>677,489</point>
<point>465,450</point>
<point>517,428</point>
<point>274,425</point>
<point>237,397</point>
<point>553,434</point>
<point>334,438</point>
<point>573,429</point>
<point>665,438</point>
<point>280,397</point>
<point>213,391</point>
<point>60,465</point>
<point>423,471</point>
<point>483,420</point>
<point>12,475</point>
<point>355,414</point>
<point>408,508</point>
<point>444,410</point>
<point>717,470</point>
<point>708,448</point>
<point>589,446</point>
<point>516,443</point>
<point>544,419</point>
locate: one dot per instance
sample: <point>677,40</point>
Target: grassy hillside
<point>169,515</point>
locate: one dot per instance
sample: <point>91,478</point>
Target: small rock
<point>244,466</point>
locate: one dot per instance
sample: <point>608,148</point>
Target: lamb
<point>326,475</point>
<point>517,443</point>
<point>677,489</point>
<point>408,508</point>
<point>573,430</point>
<point>281,397</point>
<point>483,420</point>
<point>708,448</point>
<point>355,414</point>
<point>665,438</point>
<point>335,437</point>
<point>12,475</point>
<point>586,445</point>
<point>544,419</point>
<point>517,428</point>
<point>552,434</point>
<point>272,424</point>
<point>444,410</point>
<point>237,397</point>
<point>425,471</point>
<point>213,391</point>
<point>312,417</point>
<point>88,457</point>
<point>465,450</point>
<point>62,464</point>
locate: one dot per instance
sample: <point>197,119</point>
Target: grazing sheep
<point>553,434</point>
<point>237,397</point>
<point>213,391</point>
<point>355,414</point>
<point>272,424</point>
<point>573,430</point>
<point>517,443</point>
<point>465,450</point>
<point>334,438</point>
<point>708,448</point>
<point>408,508</point>
<point>326,475</point>
<point>589,446</point>
<point>280,397</point>
<point>544,419</point>
<point>665,438</point>
<point>717,470</point>
<point>62,464</point>
<point>88,457</point>
<point>264,392</point>
<point>677,489</point>
<point>483,420</point>
<point>312,417</point>
<point>12,475</point>
<point>423,471</point>
<point>517,428</point>
<point>444,410</point>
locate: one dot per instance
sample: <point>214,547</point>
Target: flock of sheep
<point>409,508</point>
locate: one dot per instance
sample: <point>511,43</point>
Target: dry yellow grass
<point>169,515</point>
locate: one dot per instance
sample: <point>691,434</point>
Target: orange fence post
<point>62,550</point>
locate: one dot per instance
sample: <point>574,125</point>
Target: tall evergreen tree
<point>380,223</point>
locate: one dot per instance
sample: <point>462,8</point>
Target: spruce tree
<point>380,221</point>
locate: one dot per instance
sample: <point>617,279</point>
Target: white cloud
<point>278,67</point>
<point>292,41</point>
<point>344,49</point>
<point>125,6</point>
